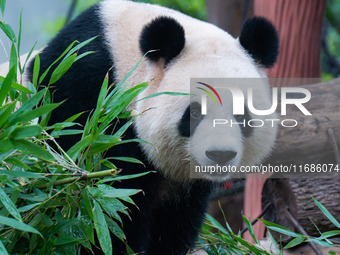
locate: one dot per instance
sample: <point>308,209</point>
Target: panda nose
<point>220,157</point>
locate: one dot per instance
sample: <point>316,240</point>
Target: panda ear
<point>164,35</point>
<point>260,39</point>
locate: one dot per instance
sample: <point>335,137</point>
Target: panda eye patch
<point>194,114</point>
<point>190,119</point>
<point>246,130</point>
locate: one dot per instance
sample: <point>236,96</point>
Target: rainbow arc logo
<point>204,97</point>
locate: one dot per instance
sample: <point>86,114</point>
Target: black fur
<point>168,213</point>
<point>260,38</point>
<point>189,123</point>
<point>166,36</point>
<point>245,129</point>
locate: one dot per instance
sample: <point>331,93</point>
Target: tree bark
<point>299,24</point>
<point>295,195</point>
<point>309,141</point>
<point>229,15</point>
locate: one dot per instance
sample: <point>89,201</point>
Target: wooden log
<point>295,195</point>
<point>309,141</point>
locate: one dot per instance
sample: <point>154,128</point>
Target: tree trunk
<point>229,15</point>
<point>300,25</point>
<point>295,195</point>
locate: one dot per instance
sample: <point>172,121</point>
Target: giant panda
<point>170,211</point>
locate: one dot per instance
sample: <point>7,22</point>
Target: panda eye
<point>194,114</point>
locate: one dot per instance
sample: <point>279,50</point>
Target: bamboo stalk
<point>100,174</point>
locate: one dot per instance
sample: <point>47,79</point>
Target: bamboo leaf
<point>32,149</point>
<point>2,247</point>
<point>2,6</point>
<point>62,68</point>
<point>8,31</point>
<point>42,77</point>
<point>28,105</point>
<point>327,213</point>
<point>296,241</point>
<point>9,205</point>
<point>102,229</point>
<point>26,131</point>
<point>18,225</point>
<point>6,84</point>
<point>36,70</point>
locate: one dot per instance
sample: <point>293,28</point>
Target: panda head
<point>177,53</point>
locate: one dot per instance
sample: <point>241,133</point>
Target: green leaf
<point>26,132</point>
<point>103,143</point>
<point>19,174</point>
<point>36,70</point>
<point>216,224</point>
<point>320,242</point>
<point>76,149</point>
<point>21,88</point>
<point>28,57</point>
<point>163,93</point>
<point>19,36</point>
<point>87,202</point>
<point>9,205</point>
<point>79,46</point>
<point>42,77</point>
<point>86,222</point>
<point>123,177</point>
<point>6,84</point>
<point>279,228</point>
<point>249,226</point>
<point>102,229</point>
<point>13,60</point>
<point>8,31</point>
<point>274,242</point>
<point>28,105</point>
<point>18,225</point>
<point>2,247</point>
<point>35,113</point>
<point>16,162</point>
<point>5,146</point>
<point>120,104</point>
<point>61,125</point>
<point>115,229</point>
<point>329,234</point>
<point>296,241</point>
<point>62,68</point>
<point>2,6</point>
<point>32,149</point>
<point>28,207</point>
<point>74,117</point>
<point>111,192</point>
<point>5,112</point>
<point>327,213</point>
<point>102,94</point>
<point>128,159</point>
<point>56,134</point>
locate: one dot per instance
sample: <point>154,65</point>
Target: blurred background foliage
<point>55,14</point>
